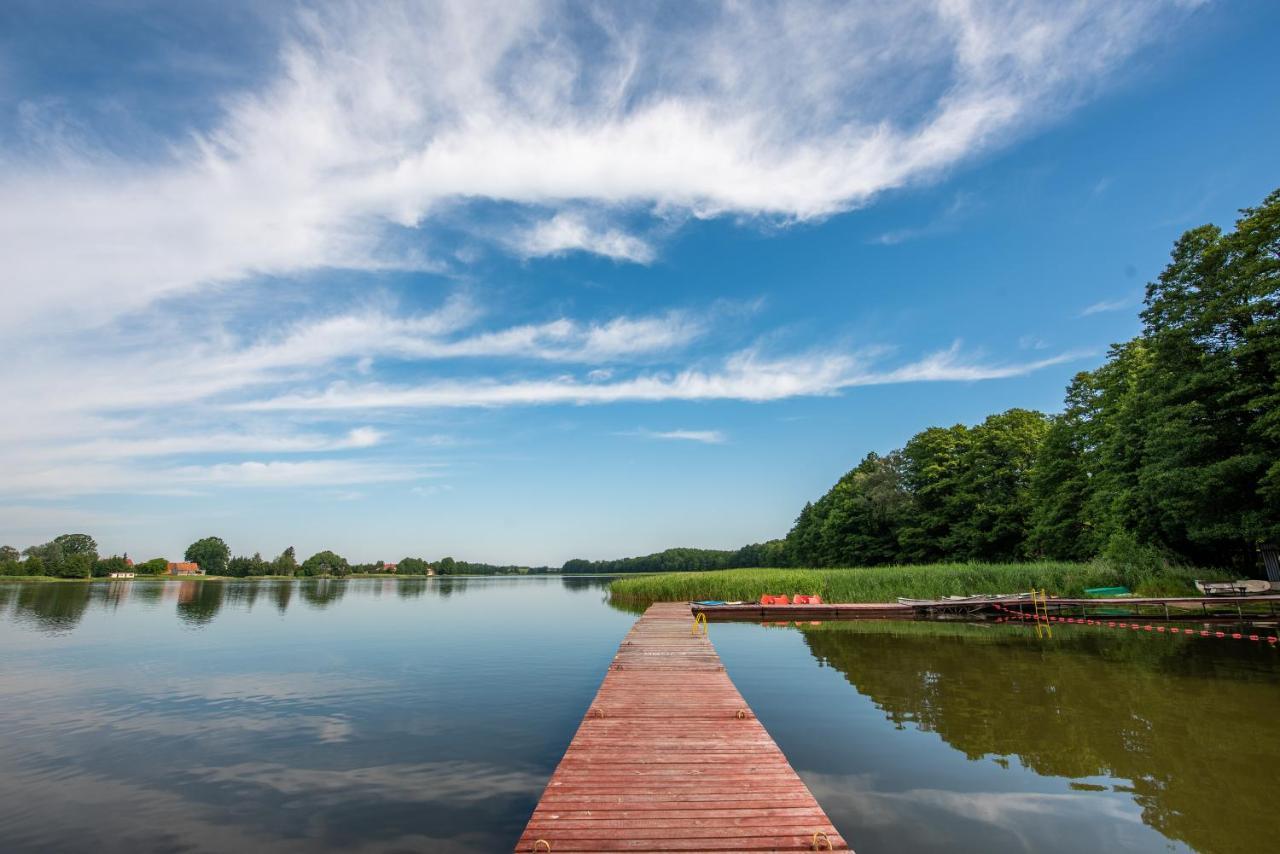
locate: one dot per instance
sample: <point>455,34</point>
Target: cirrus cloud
<point>383,117</point>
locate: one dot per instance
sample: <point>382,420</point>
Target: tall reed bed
<point>887,583</point>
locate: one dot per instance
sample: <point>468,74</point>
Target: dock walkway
<point>670,758</point>
<point>1174,607</point>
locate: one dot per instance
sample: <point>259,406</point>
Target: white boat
<point>978,599</point>
<point>1243,587</point>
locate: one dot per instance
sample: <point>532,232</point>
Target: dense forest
<point>1167,453</point>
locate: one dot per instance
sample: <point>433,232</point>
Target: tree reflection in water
<point>410,588</point>
<point>146,591</point>
<point>281,593</point>
<point>53,608</point>
<point>1191,725</point>
<point>447,585</point>
<point>200,601</point>
<point>322,592</point>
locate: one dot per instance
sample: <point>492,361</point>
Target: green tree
<point>49,554</point>
<point>858,521</point>
<point>1060,491</point>
<point>9,553</point>
<point>78,565</point>
<point>285,564</point>
<point>107,565</point>
<point>932,462</point>
<point>211,553</point>
<point>325,563</point>
<point>247,567</point>
<point>991,502</point>
<point>1112,402</point>
<point>870,506</point>
<point>1211,470</point>
<point>412,566</point>
<point>155,566</point>
<point>77,544</point>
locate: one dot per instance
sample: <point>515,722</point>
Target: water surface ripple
<point>426,715</point>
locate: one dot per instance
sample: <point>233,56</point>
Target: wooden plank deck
<point>670,758</point>
<point>860,611</point>
<point>895,611</point>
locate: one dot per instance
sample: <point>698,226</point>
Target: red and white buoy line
<point>1132,626</point>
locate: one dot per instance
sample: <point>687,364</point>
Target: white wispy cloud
<point>1108,305</point>
<point>569,232</point>
<point>706,437</point>
<point>746,376</point>
<point>946,220</point>
<point>219,443</point>
<point>73,378</point>
<point>277,473</point>
<point>62,480</point>
<point>388,116</point>
<point>953,365</point>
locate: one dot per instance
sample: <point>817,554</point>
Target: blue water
<point>400,716</point>
<point>427,715</point>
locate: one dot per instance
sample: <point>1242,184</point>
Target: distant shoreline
<point>40,579</point>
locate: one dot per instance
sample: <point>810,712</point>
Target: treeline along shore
<point>75,556</point>
<point>1165,457</point>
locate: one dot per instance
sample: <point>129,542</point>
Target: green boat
<point>1107,592</point>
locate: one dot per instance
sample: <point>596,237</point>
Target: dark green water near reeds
<point>427,715</point>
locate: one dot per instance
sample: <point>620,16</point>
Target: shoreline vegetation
<point>1165,456</point>
<point>926,581</point>
<point>75,557</point>
<point>42,579</point>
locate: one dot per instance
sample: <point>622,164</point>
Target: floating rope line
<point>1139,626</point>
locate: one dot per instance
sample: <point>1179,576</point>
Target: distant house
<point>185,569</point>
<point>122,575</point>
<point>389,567</point>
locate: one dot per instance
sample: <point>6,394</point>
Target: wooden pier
<point>754,612</point>
<point>1172,607</point>
<point>669,757</point>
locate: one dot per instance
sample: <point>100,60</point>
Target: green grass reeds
<point>887,583</point>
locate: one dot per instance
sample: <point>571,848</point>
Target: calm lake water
<point>427,715</point>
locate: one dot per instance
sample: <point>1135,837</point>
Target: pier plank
<point>669,757</point>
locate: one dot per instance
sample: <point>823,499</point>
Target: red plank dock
<point>670,758</point>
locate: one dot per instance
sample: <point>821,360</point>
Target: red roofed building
<point>185,569</point>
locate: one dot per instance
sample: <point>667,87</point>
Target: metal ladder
<point>1040,602</point>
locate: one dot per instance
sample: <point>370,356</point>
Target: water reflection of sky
<point>362,716</point>
<point>921,737</point>
<point>385,715</point>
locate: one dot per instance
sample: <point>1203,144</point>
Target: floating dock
<point>1173,607</point>
<point>670,758</point>
<point>755,611</point>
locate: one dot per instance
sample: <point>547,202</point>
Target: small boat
<point>1242,587</point>
<point>978,599</point>
<point>1107,592</point>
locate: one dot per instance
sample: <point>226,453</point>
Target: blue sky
<point>530,281</point>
